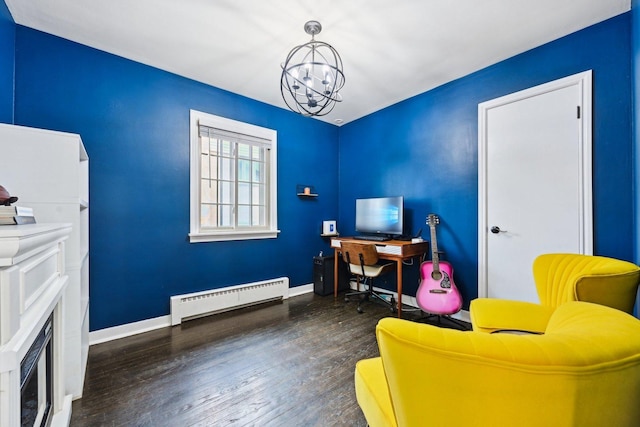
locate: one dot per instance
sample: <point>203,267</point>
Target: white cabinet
<point>49,172</point>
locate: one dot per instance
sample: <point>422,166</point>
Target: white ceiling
<point>391,49</point>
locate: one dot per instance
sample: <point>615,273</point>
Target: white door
<point>534,182</point>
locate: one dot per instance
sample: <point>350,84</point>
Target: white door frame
<point>584,82</point>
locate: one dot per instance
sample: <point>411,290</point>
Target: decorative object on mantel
<point>13,215</point>
<point>5,198</point>
<point>304,190</point>
<point>17,220</point>
<point>312,76</point>
<point>16,215</point>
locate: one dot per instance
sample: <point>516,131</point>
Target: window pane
<point>244,151</point>
<point>204,166</point>
<point>213,146</point>
<point>213,166</point>
<point>258,194</point>
<point>225,148</point>
<point>208,215</point>
<point>244,193</point>
<point>258,217</point>
<point>208,191</point>
<point>244,168</point>
<point>257,153</point>
<point>226,218</point>
<point>257,172</point>
<point>226,192</point>
<point>244,216</point>
<point>226,168</point>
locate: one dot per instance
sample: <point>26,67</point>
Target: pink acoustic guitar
<point>437,294</point>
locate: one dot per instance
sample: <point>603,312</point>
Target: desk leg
<point>399,279</point>
<point>335,272</point>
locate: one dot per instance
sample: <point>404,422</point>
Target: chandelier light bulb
<point>327,76</point>
<point>294,75</point>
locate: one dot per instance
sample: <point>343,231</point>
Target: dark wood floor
<point>278,364</point>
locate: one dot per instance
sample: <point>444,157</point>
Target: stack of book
<point>12,215</point>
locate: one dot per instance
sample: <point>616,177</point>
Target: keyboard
<point>373,238</point>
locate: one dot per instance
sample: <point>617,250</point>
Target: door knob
<point>495,230</point>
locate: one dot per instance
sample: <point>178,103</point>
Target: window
<point>233,180</point>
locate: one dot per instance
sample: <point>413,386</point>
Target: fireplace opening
<point>36,380</point>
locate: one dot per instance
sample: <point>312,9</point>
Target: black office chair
<point>362,261</point>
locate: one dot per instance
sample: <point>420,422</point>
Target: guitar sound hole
<point>436,275</point>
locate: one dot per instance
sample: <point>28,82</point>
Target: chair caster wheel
<point>347,300</point>
<point>360,310</point>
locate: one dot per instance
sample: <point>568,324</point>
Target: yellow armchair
<point>583,371</point>
<point>560,278</point>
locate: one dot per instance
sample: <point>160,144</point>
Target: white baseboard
<point>122,331</point>
<point>406,299</point>
<point>411,301</point>
<point>300,290</point>
<point>62,418</point>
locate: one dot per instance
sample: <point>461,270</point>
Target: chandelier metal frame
<point>312,76</point>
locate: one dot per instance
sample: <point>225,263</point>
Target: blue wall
<point>635,64</point>
<point>134,121</point>
<point>7,61</point>
<point>635,60</point>
<point>425,148</point>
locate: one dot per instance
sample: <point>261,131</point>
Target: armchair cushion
<point>584,371</point>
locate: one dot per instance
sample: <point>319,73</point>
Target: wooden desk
<point>394,250</point>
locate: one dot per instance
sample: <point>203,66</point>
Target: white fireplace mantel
<point>32,284</point>
<point>22,241</point>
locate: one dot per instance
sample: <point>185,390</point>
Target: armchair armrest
<point>372,393</point>
<point>490,315</point>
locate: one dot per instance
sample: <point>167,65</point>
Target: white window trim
<point>195,234</point>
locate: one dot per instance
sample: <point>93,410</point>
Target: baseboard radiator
<point>199,304</point>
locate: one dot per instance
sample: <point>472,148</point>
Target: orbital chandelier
<point>312,76</point>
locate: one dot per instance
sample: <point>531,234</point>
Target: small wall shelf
<point>305,191</point>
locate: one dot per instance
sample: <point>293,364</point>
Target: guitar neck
<point>434,248</point>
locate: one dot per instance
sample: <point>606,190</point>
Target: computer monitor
<point>380,215</point>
